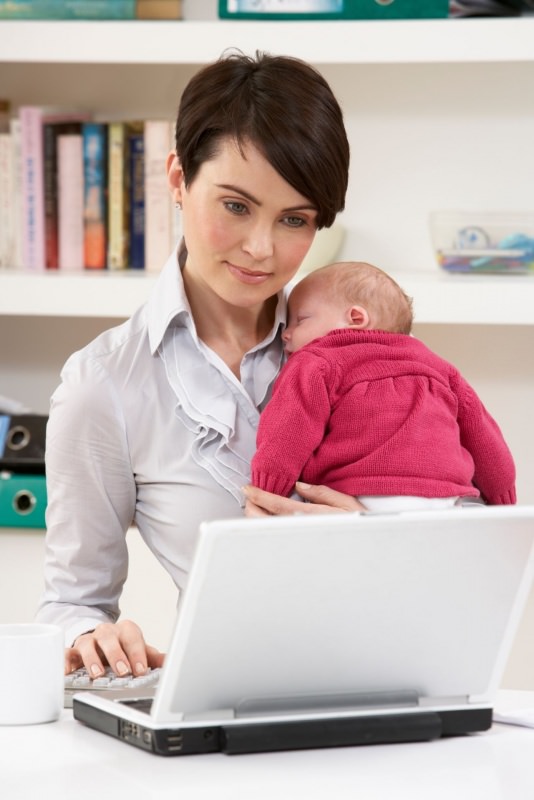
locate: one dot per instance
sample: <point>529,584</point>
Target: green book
<point>67,9</point>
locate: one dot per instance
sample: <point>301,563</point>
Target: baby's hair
<point>359,283</point>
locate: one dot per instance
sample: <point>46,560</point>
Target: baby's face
<point>312,313</point>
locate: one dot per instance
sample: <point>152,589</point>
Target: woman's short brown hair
<point>285,108</point>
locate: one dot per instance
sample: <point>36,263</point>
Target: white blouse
<point>148,426</point>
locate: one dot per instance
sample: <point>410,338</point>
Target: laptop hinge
<point>310,703</point>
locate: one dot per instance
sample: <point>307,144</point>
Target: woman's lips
<point>246,275</point>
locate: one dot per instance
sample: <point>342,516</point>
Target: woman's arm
<point>321,500</point>
<point>91,504</point>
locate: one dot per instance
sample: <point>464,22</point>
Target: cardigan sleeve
<point>292,424</point>
<point>494,474</point>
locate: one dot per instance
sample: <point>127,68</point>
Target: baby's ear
<point>358,317</point>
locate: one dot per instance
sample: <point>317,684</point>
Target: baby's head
<point>349,294</point>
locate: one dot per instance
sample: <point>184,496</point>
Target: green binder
<point>22,500</point>
<point>333,9</point>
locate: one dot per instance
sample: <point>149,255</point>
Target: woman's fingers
<point>121,645</point>
<point>321,500</point>
<point>330,498</point>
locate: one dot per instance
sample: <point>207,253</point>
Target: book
<point>16,196</point>
<point>67,9</point>
<point>70,200</point>
<point>31,143</point>
<point>158,202</point>
<point>6,205</point>
<point>117,197</point>
<point>5,111</point>
<point>136,182</point>
<point>95,194</point>
<point>158,9</point>
<point>51,131</point>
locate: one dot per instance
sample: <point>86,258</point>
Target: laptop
<point>331,630</point>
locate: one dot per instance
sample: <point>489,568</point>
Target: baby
<point>365,408</point>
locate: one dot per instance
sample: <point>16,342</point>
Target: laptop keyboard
<point>81,681</point>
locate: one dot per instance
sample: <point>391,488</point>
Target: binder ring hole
<point>24,502</point>
<point>18,438</point>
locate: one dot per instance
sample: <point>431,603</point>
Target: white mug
<point>31,673</point>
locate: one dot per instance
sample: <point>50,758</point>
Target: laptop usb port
<point>175,742</point>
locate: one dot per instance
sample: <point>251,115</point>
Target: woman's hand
<point>322,500</point>
<point>120,645</point>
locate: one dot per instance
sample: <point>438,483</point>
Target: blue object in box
<point>22,500</point>
<point>332,9</point>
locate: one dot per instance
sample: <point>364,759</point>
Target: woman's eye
<point>295,222</point>
<point>236,207</point>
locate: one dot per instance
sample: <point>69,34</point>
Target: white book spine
<point>16,163</point>
<point>159,208</point>
<point>70,201</point>
<point>33,242</point>
<point>6,201</point>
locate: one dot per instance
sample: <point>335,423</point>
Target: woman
<point>155,420</point>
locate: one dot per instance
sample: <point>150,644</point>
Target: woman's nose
<point>259,242</point>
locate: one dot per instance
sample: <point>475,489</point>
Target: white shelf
<point>439,298</point>
<point>81,294</point>
<point>336,42</point>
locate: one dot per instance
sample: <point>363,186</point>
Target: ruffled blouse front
<point>219,410</point>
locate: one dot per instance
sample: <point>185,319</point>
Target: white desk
<point>67,760</point>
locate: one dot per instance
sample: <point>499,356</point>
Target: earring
<point>179,206</point>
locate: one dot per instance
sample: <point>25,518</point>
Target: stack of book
<point>81,194</point>
<point>90,9</point>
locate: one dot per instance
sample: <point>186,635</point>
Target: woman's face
<point>246,229</point>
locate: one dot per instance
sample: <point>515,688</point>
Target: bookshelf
<point>150,62</point>
<point>440,116</point>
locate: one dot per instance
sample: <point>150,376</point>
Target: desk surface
<point>67,760</point>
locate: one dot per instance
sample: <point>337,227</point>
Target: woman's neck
<point>230,331</point>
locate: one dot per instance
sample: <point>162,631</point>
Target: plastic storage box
<point>486,242</point>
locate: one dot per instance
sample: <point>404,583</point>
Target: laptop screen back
<point>305,612</point>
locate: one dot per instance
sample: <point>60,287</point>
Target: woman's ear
<point>358,317</point>
<point>175,176</point>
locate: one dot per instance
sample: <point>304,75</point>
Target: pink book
<point>70,201</point>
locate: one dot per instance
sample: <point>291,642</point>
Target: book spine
<point>136,149</point>
<point>158,9</point>
<point>158,201</point>
<point>51,132</point>
<point>70,201</point>
<point>95,194</point>
<point>117,207</point>
<point>67,9</point>
<point>15,131</point>
<point>6,201</point>
<point>31,124</point>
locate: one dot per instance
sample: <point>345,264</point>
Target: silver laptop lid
<point>307,612</point>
